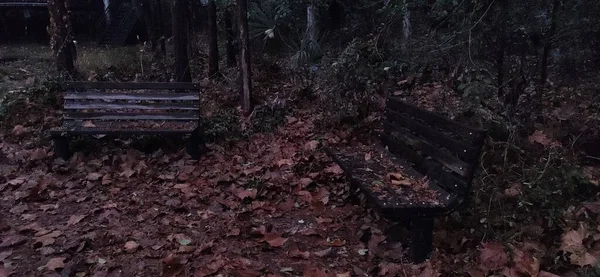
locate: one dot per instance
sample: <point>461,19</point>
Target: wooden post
<point>245,72</point>
<point>213,47</point>
<point>229,48</point>
<point>180,41</point>
<point>61,40</point>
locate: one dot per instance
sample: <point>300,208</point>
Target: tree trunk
<point>61,40</point>
<point>245,73</point>
<point>180,41</point>
<point>158,27</point>
<point>548,46</point>
<point>405,26</point>
<point>213,47</point>
<point>504,7</point>
<point>229,48</point>
<point>145,9</point>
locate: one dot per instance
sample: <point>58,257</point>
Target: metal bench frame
<point>118,102</point>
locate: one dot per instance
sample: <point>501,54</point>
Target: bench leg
<point>195,146</point>
<point>61,147</point>
<point>421,238</point>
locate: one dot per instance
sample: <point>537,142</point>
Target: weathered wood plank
<point>132,116</point>
<point>127,106</point>
<point>112,85</point>
<point>465,151</point>
<point>452,163</point>
<point>430,168</point>
<point>132,96</point>
<point>467,132</point>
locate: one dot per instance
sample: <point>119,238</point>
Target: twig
<point>545,167</point>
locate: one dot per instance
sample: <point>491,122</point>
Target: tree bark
<point>61,40</point>
<point>548,46</point>
<point>245,73</point>
<point>180,41</point>
<point>213,47</point>
<point>405,26</point>
<point>229,48</point>
<point>158,27</point>
<point>504,7</point>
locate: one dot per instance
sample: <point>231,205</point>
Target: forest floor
<point>270,204</point>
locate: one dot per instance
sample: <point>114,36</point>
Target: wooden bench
<point>102,108</point>
<point>422,168</point>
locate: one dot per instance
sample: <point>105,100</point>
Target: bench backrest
<point>440,148</point>
<point>107,101</point>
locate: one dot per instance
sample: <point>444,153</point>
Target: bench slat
<point>124,132</point>
<point>467,132</point>
<point>132,96</point>
<point>112,85</point>
<point>446,179</point>
<point>126,106</point>
<point>452,163</point>
<point>132,116</point>
<point>463,150</point>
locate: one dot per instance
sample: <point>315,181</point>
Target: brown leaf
<point>4,255</point>
<point>473,272</point>
<point>93,176</point>
<point>509,272</point>
<point>74,219</point>
<point>572,241</point>
<point>334,169</point>
<point>55,263</point>
<point>513,191</point>
<point>547,274</point>
<point>337,242</point>
<point>593,207</point>
<point>493,256</point>
<point>323,253</point>
<point>186,249</point>
<point>345,274</point>
<point>47,239</point>
<point>172,266</point>
<point>311,145</point>
<point>543,139</point>
<point>89,124</point>
<point>311,271</point>
<point>526,263</point>
<point>233,232</point>
<point>398,179</point>
<point>583,259</point>
<point>19,130</point>
<point>14,240</point>
<point>38,154</point>
<point>283,162</point>
<point>250,193</point>
<point>274,240</point>
<point>131,246</point>
<point>296,253</point>
<point>4,272</point>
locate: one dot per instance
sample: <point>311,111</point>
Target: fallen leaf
<point>186,249</point>
<point>89,124</point>
<point>172,266</point>
<point>184,241</point>
<point>296,253</point>
<point>274,240</point>
<point>311,145</point>
<point>55,263</point>
<point>20,130</point>
<point>334,169</point>
<point>283,162</point>
<point>11,241</point>
<point>311,271</point>
<point>323,253</point>
<point>509,272</point>
<point>513,191</point>
<point>4,255</point>
<point>233,232</point>
<point>473,272</point>
<point>74,219</point>
<point>526,263</point>
<point>543,139</point>
<point>93,176</point>
<point>4,272</point>
<point>47,239</point>
<point>398,179</point>
<point>249,193</point>
<point>345,274</point>
<point>547,274</point>
<point>337,242</point>
<point>131,246</point>
<point>38,154</point>
<point>493,256</point>
<point>572,240</point>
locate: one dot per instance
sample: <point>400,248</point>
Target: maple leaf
<point>543,139</point>
<point>572,241</point>
<point>74,219</point>
<point>55,263</point>
<point>274,240</point>
<point>131,246</point>
<point>493,256</point>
